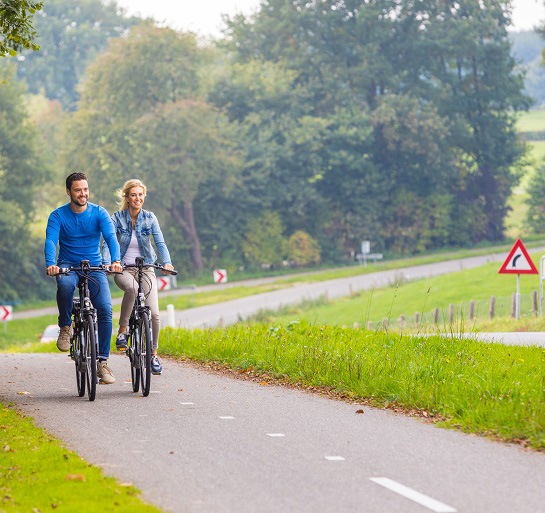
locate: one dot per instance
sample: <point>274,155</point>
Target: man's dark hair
<point>74,177</point>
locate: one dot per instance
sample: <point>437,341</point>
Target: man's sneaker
<point>121,342</point>
<point>63,341</point>
<point>104,373</point>
<point>156,367</point>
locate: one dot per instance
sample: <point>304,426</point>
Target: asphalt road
<point>239,309</point>
<point>206,443</point>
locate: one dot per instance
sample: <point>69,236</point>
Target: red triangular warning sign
<point>518,261</point>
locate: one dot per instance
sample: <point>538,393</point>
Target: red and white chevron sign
<point>163,283</point>
<point>220,275</point>
<point>6,313</point>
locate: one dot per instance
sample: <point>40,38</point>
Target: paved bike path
<point>206,443</point>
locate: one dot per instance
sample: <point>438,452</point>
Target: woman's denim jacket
<point>146,225</point>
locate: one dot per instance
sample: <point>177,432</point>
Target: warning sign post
<point>518,262</point>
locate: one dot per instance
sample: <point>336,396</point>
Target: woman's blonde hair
<point>123,193</point>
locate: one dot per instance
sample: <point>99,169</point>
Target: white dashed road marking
<point>276,435</point>
<point>187,404</point>
<point>334,458</point>
<point>413,495</point>
<point>226,417</point>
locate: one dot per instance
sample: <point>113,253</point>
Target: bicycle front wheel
<point>134,355</point>
<point>91,356</point>
<point>79,360</point>
<point>145,352</point>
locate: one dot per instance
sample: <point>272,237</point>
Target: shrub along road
<point>203,442</point>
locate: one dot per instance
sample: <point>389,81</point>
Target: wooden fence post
<point>471,309</point>
<point>436,315</point>
<point>417,319</point>
<point>492,306</point>
<point>513,305</point>
<point>451,314</point>
<point>535,302</point>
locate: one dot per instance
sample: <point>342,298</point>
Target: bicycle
<point>84,339</point>
<point>139,335</point>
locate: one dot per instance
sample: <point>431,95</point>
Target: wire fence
<point>504,306</point>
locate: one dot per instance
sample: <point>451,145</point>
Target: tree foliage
<point>21,175</point>
<point>16,29</point>
<point>71,34</point>
<point>440,92</point>
<point>142,115</point>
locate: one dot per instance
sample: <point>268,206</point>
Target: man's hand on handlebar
<point>53,270</point>
<point>116,267</point>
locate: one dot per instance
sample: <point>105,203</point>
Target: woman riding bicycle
<point>134,228</point>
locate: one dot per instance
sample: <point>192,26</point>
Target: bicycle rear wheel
<point>145,352</point>
<point>133,351</point>
<point>90,356</point>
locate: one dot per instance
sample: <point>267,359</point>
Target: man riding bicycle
<point>77,228</point>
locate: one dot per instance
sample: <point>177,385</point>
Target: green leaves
<point>16,30</point>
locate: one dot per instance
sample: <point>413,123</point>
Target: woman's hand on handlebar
<point>167,267</point>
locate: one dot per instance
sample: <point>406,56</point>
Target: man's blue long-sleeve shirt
<point>78,236</point>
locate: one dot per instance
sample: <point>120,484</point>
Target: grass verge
<point>489,389</point>
<point>38,474</point>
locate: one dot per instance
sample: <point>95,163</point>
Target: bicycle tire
<point>145,352</point>
<point>134,355</point>
<point>90,356</point>
<point>78,360</point>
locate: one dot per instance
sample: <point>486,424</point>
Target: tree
<point>16,30</point>
<point>21,175</point>
<point>184,146</point>
<point>265,243</point>
<point>71,34</point>
<point>142,115</point>
<point>536,204</point>
<point>303,249</point>
<point>447,67</point>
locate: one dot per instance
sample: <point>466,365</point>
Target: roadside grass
<point>401,298</point>
<point>292,276</point>
<point>195,299</point>
<point>22,332</point>
<point>38,474</point>
<point>483,388</point>
<point>407,298</point>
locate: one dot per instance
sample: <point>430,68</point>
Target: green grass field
<point>533,121</point>
<point>421,296</point>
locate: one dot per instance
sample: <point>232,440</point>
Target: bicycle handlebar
<point>82,267</point>
<point>149,266</point>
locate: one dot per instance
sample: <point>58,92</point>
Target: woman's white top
<point>133,250</point>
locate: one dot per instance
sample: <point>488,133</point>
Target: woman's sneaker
<point>156,367</point>
<point>121,342</point>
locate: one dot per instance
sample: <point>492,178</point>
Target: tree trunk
<point>187,222</point>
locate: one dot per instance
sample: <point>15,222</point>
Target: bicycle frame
<point>84,340</point>
<point>139,345</point>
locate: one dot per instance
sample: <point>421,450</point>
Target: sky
<point>205,16</point>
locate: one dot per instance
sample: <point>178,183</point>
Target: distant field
<point>537,151</point>
<point>533,121</point>
<point>416,296</point>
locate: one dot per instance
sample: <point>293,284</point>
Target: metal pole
<point>518,297</point>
